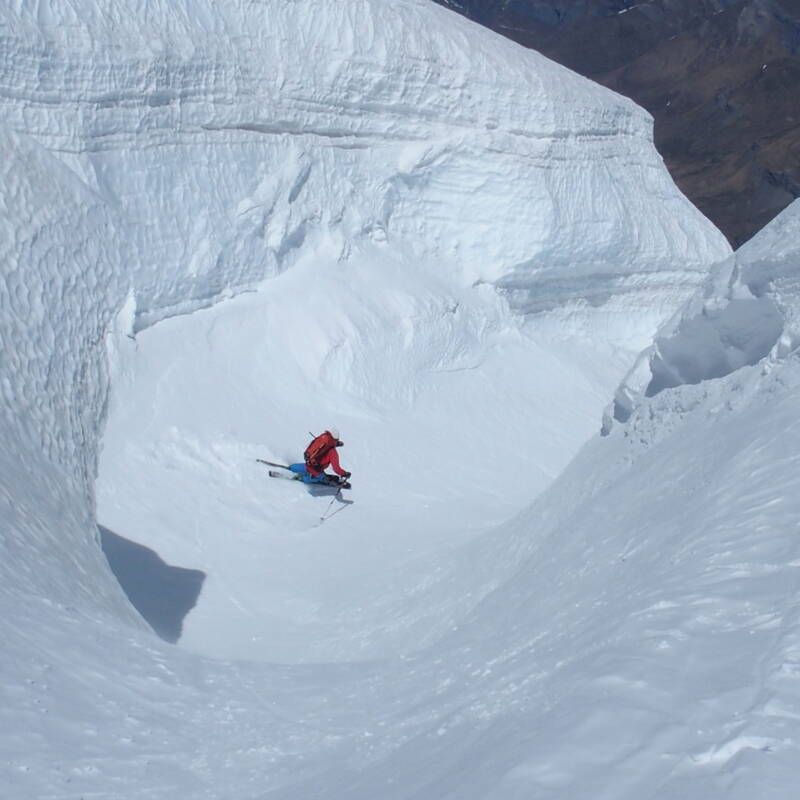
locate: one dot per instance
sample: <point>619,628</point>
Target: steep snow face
<point>655,584</point>
<point>746,310</point>
<point>228,138</point>
<point>160,157</point>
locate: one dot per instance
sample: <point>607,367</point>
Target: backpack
<point>318,448</point>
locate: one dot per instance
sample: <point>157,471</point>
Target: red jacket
<point>329,459</point>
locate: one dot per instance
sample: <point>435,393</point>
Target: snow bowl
<point>455,412</point>
<point>435,184</point>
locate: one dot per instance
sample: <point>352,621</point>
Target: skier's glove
<point>346,474</point>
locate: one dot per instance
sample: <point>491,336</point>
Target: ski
<point>326,484</point>
<point>272,464</point>
<point>274,474</point>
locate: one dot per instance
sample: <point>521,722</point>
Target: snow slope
<point>649,645</point>
<point>468,207</point>
<point>641,638</point>
<point>549,227</point>
<point>668,649</point>
<point>454,412</point>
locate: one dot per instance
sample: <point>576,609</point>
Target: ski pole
<point>322,518</point>
<point>337,511</point>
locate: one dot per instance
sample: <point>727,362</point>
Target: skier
<point>321,453</point>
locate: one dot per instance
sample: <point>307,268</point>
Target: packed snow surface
<point>226,224</point>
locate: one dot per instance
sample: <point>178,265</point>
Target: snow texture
<point>417,229</point>
<point>745,311</point>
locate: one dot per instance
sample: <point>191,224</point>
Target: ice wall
<point>61,280</point>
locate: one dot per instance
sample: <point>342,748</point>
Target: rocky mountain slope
<point>720,77</point>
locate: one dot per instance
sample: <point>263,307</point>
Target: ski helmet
<point>334,432</point>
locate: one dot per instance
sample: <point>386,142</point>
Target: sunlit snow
<point>224,225</point>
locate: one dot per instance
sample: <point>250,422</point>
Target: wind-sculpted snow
<point>651,643</point>
<point>747,309</point>
<point>678,613</point>
<point>159,157</point>
<point>227,136</point>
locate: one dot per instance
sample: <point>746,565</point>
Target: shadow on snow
<point>162,594</point>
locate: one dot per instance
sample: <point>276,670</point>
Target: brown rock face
<point>720,77</point>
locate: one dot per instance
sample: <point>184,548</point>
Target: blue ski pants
<point>302,471</point>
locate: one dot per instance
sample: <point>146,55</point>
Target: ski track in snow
<point>491,239</point>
